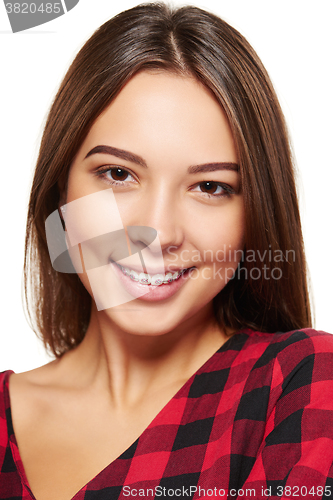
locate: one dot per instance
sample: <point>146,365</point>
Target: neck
<point>131,365</point>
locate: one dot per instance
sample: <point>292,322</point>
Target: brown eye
<point>214,189</point>
<point>118,174</point>
<point>209,187</point>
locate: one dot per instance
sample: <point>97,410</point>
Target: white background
<point>294,39</point>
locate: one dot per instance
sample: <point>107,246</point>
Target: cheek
<point>91,217</point>
<point>223,235</point>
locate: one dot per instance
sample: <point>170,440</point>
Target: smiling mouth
<point>152,279</point>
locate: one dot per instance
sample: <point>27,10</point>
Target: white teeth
<point>168,278</point>
<point>144,278</point>
<point>134,275</point>
<point>156,279</point>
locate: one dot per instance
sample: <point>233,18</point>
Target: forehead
<point>165,113</point>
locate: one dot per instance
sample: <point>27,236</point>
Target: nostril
<point>140,236</point>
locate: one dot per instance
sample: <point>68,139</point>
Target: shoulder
<point>302,357</point>
<point>305,341</point>
<point>306,350</point>
<point>302,344</point>
<point>307,336</point>
<point>262,351</point>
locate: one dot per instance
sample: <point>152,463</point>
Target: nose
<point>158,216</point>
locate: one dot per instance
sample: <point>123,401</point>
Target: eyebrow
<point>212,167</point>
<point>194,169</point>
<point>119,153</point>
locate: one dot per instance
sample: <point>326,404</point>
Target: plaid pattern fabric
<point>255,421</point>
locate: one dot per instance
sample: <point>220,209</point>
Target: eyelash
<point>228,191</point>
<point>104,170</point>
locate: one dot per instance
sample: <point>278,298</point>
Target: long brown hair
<point>187,41</point>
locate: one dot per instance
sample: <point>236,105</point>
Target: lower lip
<point>152,293</point>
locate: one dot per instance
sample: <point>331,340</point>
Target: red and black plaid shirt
<point>255,421</point>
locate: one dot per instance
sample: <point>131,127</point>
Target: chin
<point>135,319</point>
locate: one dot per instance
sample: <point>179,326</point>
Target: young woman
<point>186,365</point>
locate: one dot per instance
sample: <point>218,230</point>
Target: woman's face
<point>169,157</point>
